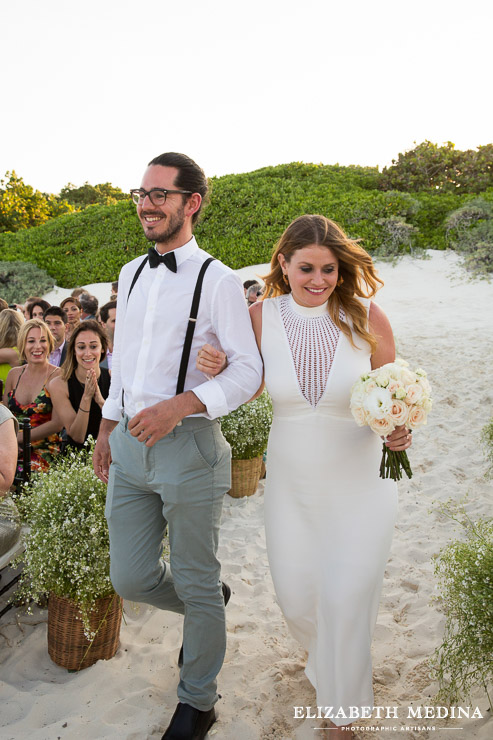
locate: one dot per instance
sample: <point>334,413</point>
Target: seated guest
<point>248,284</point>
<point>89,305</point>
<point>10,324</point>
<point>81,389</point>
<point>107,318</point>
<point>56,320</point>
<point>3,305</point>
<point>26,394</point>
<point>27,304</point>
<point>77,292</point>
<point>253,293</point>
<point>73,310</point>
<point>37,308</point>
<point>114,290</point>
<point>8,448</point>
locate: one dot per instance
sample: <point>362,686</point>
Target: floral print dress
<point>43,451</point>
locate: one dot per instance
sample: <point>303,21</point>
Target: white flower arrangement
<point>247,428</point>
<point>66,541</point>
<point>388,397</point>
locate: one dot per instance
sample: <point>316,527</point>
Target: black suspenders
<point>187,345</point>
<point>194,309</point>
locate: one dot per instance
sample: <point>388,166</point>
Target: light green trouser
<point>179,481</point>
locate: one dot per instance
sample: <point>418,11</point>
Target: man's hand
<point>155,422</point>
<point>101,458</point>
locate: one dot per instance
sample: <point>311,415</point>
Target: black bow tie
<point>168,258</point>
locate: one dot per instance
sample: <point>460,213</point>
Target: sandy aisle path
<point>442,322</point>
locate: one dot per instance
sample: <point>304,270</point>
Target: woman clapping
<point>82,388</point>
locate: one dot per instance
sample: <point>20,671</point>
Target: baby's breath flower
<point>67,541</point>
<point>247,428</point>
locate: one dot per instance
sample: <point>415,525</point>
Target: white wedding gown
<point>328,516</point>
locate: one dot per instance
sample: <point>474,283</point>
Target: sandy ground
<point>442,321</point>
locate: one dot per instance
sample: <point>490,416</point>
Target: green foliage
<point>22,207</point>
<point>464,569</point>
<point>86,247</point>
<point>487,441</point>
<point>247,428</point>
<point>246,216</point>
<point>440,168</point>
<point>470,231</point>
<point>67,541</point>
<point>104,194</point>
<point>19,280</point>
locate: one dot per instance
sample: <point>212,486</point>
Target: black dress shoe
<point>226,596</point>
<point>189,723</point>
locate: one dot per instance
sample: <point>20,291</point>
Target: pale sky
<point>92,90</point>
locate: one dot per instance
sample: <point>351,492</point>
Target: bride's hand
<point>211,361</point>
<point>400,439</point>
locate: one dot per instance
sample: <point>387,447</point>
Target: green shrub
<point>487,441</point>
<point>470,231</point>
<point>19,280</point>
<point>247,428</point>
<point>464,569</point>
<point>397,239</point>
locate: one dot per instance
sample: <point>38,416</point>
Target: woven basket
<point>68,646</point>
<point>245,475</point>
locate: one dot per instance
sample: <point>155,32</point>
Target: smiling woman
<point>81,390</point>
<point>27,396</point>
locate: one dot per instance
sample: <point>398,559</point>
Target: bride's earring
<point>340,281</point>
<point>285,278</point>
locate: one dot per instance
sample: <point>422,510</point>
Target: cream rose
<point>382,426</point>
<point>359,415</point>
<point>417,417</point>
<point>399,412</point>
<point>414,393</point>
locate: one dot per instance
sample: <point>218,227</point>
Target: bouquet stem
<point>393,463</point>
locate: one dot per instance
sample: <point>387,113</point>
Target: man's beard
<point>171,227</point>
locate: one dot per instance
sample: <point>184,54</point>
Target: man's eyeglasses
<point>157,196</point>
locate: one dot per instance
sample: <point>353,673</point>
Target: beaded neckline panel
<point>313,339</point>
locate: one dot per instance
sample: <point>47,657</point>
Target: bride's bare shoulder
<point>255,311</point>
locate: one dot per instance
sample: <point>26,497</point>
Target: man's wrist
<point>191,404</point>
<point>106,427</point>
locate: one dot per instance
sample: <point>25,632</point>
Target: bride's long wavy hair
<point>356,268</point>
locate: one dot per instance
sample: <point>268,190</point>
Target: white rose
<point>407,377</point>
<point>357,394</point>
<point>425,385</point>
<point>427,404</point>
<point>383,379</point>
<point>400,393</point>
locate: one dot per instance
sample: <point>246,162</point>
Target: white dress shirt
<point>150,332</point>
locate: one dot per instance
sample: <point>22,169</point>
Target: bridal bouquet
<point>388,397</point>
